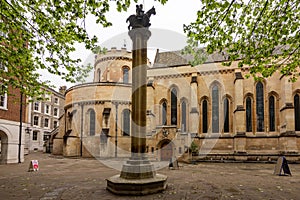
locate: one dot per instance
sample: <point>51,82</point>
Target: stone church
<point>213,108</point>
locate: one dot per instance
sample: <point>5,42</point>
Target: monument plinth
<point>138,176</point>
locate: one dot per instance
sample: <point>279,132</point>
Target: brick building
<point>10,126</point>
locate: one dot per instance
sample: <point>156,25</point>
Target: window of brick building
<point>47,109</point>
<point>36,106</point>
<point>55,123</point>
<point>3,97</point>
<point>35,120</point>
<point>34,135</point>
<point>46,123</point>
<point>55,112</point>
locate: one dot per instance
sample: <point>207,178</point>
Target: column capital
<point>139,32</point>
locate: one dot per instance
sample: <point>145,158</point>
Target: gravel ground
<point>62,178</point>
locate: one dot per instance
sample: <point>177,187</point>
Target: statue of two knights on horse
<point>140,19</point>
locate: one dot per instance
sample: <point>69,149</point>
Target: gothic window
<point>183,116</point>
<point>248,115</point>
<point>164,113</point>
<point>260,107</point>
<point>173,106</point>
<point>92,121</point>
<point>271,113</point>
<point>215,109</point>
<point>125,75</point>
<point>297,112</point>
<point>204,116</point>
<point>226,115</point>
<point>126,123</point>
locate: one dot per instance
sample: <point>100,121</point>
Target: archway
<point>3,147</point>
<point>166,150</point>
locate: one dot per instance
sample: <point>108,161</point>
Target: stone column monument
<point>138,176</point>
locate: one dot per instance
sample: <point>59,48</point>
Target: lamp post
<point>27,131</point>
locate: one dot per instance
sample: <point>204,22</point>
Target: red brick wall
<point>13,107</point>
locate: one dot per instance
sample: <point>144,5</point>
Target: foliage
<point>40,34</point>
<point>98,49</point>
<point>194,147</point>
<point>198,55</point>
<point>262,34</point>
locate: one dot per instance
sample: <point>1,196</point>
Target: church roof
<point>176,58</point>
<point>170,58</point>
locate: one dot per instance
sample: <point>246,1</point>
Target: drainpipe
<point>81,130</point>
<point>116,132</point>
<point>20,128</point>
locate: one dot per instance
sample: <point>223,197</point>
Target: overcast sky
<point>169,18</point>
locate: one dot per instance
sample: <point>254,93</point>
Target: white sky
<point>169,17</point>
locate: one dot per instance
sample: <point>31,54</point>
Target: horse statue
<point>143,21</point>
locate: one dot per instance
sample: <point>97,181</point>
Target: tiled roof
<point>176,58</point>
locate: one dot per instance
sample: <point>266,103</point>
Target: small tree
<point>194,149</point>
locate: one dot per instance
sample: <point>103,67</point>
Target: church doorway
<point>3,147</point>
<point>166,150</point>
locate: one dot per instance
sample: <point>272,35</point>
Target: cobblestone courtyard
<point>61,178</point>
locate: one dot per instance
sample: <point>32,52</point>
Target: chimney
<point>62,89</point>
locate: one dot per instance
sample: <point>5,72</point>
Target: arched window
<point>204,116</point>
<point>183,116</point>
<point>164,113</point>
<point>92,122</point>
<point>173,106</point>
<point>226,115</point>
<point>248,115</point>
<point>99,75</point>
<point>125,75</point>
<point>215,109</point>
<point>271,113</point>
<point>297,112</point>
<point>260,107</point>
<point>126,123</point>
